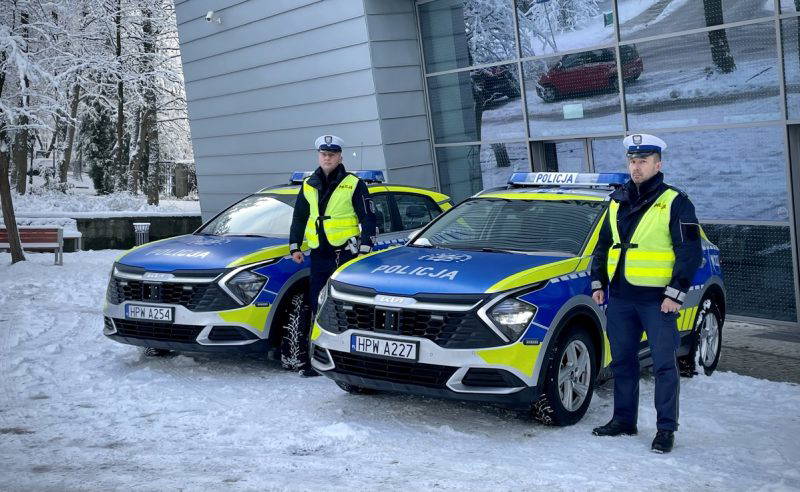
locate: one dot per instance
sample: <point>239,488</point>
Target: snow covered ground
<point>79,411</point>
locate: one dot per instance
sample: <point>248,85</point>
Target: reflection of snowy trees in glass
<point>541,24</point>
<point>489,28</point>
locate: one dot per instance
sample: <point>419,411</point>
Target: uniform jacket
<point>362,204</point>
<point>684,230</point>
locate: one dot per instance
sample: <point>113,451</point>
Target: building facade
<point>457,94</point>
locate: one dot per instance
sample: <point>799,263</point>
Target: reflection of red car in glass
<point>588,72</point>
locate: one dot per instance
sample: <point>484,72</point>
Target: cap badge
<point>328,139</point>
<point>637,140</point>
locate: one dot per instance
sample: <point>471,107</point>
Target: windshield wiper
<point>245,235</point>
<point>485,249</point>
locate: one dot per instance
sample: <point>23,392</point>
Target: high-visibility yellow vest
<point>340,222</point>
<point>649,256</point>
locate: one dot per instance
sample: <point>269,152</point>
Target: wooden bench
<point>37,238</point>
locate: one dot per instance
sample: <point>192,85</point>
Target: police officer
<point>647,253</point>
<point>330,207</point>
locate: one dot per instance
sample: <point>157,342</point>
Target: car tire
<point>294,352</point>
<point>613,84</point>
<point>355,390</point>
<point>574,363</point>
<point>706,340</point>
<point>548,93</point>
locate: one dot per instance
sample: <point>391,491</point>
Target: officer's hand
<point>599,296</point>
<point>669,306</point>
<point>297,256</point>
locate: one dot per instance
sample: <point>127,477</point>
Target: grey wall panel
<point>196,9</point>
<point>317,114</point>
<point>349,84</point>
<point>409,129</point>
<point>212,203</point>
<point>392,27</point>
<point>398,79</point>
<point>409,153</point>
<point>237,183</point>
<point>418,175</point>
<point>219,38</point>
<point>395,53</point>
<point>278,166</point>
<point>399,104</point>
<point>292,70</point>
<point>341,35</point>
<point>293,139</point>
<point>234,13</point>
<point>397,73</point>
<point>389,6</point>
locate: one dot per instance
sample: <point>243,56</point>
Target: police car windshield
<point>256,215</point>
<point>526,226</point>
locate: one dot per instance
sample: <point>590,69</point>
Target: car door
<point>385,218</point>
<point>414,211</point>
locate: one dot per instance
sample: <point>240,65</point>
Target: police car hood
<point>196,252</point>
<point>411,270</point>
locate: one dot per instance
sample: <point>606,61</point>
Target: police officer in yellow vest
<point>336,216</point>
<point>647,253</point>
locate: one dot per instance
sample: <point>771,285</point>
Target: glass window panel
<point>464,171</point>
<point>607,154</point>
<point>565,156</point>
<point>722,171</point>
<point>476,105</point>
<point>683,84</point>
<point>788,6</point>
<point>383,215</point>
<point>462,33</point>
<point>757,264</point>
<point>563,25</point>
<point>415,210</point>
<point>639,19</point>
<point>790,29</point>
<point>576,93</point>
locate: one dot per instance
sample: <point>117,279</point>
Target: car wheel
<point>569,382</point>
<point>294,333</point>
<point>548,93</point>
<point>613,83</point>
<point>355,390</point>
<point>707,344</point>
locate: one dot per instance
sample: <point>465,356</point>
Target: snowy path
<point>80,411</point>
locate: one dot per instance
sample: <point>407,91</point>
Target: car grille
<point>157,331</point>
<point>448,329</point>
<point>194,297</point>
<point>390,370</point>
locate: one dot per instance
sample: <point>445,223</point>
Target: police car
<point>231,285</point>
<point>492,302</point>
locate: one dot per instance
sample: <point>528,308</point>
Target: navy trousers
<point>323,264</point>
<point>627,319</point>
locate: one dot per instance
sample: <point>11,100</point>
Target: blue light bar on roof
<point>299,176</point>
<point>370,176</point>
<point>568,179</point>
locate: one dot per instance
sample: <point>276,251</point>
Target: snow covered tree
<point>97,146</point>
<point>541,23</point>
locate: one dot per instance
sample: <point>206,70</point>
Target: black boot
<point>615,428</point>
<point>663,441</point>
<point>308,372</point>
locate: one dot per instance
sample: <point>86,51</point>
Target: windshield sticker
<point>188,253</point>
<point>420,271</point>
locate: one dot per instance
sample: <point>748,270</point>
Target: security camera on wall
<point>210,17</point>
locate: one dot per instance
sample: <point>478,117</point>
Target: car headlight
<point>246,285</point>
<point>323,295</point>
<point>512,316</point>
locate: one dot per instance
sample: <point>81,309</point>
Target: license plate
<point>150,313</point>
<point>384,347</point>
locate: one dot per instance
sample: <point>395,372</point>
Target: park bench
<point>37,238</point>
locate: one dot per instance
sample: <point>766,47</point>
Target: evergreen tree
<point>97,145</point>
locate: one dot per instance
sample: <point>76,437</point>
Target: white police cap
<point>329,143</point>
<point>642,145</point>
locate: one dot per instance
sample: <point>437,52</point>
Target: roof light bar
<point>568,179</point>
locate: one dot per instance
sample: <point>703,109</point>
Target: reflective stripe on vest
<point>649,256</point>
<point>340,221</point>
